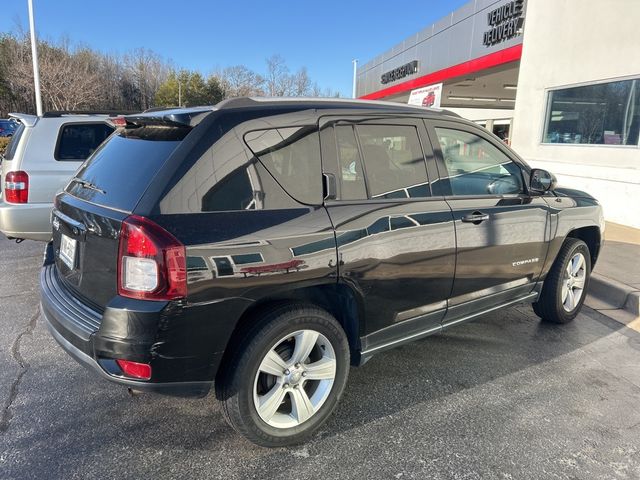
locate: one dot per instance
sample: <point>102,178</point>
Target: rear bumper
<point>76,328</point>
<point>28,220</point>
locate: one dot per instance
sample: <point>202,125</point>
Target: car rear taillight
<point>151,262</point>
<point>16,187</point>
<point>135,369</point>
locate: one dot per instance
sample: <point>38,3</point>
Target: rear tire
<point>565,288</point>
<point>286,376</point>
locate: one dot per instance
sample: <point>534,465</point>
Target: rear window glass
<point>292,156</point>
<point>10,151</point>
<point>121,169</point>
<point>78,141</point>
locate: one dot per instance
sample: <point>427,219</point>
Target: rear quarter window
<point>76,142</point>
<point>292,156</point>
<point>10,151</point>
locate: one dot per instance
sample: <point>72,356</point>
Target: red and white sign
<point>427,96</point>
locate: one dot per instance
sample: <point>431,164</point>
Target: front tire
<point>286,376</point>
<point>565,288</point>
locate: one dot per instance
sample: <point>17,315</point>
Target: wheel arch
<point>590,235</point>
<point>339,299</point>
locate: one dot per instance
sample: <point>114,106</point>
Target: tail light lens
<point>16,187</point>
<point>151,262</point>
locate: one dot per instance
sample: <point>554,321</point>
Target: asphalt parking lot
<point>503,397</point>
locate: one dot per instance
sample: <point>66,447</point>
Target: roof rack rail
<point>323,102</point>
<point>111,113</point>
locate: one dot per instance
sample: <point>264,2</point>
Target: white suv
<point>42,156</point>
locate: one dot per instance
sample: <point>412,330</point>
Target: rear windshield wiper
<point>88,185</point>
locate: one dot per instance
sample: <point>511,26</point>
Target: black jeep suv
<point>264,246</point>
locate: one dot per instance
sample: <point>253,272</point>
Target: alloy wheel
<point>294,379</point>
<point>573,282</point>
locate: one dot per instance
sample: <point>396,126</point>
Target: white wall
<point>569,42</point>
<point>479,114</point>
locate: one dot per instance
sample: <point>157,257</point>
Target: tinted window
<point>224,177</point>
<point>352,185</point>
<point>77,142</point>
<point>234,192</point>
<point>122,168</point>
<point>477,167</point>
<point>292,156</point>
<point>605,114</point>
<point>10,151</point>
<point>393,161</point>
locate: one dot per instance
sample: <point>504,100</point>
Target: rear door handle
<point>476,218</point>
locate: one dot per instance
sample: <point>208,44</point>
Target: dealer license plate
<point>68,251</point>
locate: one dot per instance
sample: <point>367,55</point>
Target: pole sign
<point>427,96</point>
<point>400,72</point>
<point>504,23</point>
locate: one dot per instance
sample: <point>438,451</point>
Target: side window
<point>77,142</point>
<point>11,148</point>
<point>352,185</point>
<point>475,166</point>
<point>233,192</point>
<point>393,161</point>
<point>292,156</point>
<point>225,177</point>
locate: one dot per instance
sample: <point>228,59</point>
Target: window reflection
<point>475,166</point>
<point>292,156</point>
<point>393,161</point>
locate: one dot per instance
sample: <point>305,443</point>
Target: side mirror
<point>541,181</point>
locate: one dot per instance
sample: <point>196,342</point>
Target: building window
<point>601,114</point>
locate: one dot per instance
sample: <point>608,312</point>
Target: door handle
<point>476,218</point>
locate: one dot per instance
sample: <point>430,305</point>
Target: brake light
<point>135,369</point>
<point>151,262</point>
<point>117,121</point>
<point>16,187</point>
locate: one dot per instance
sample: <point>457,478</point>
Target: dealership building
<point>557,79</point>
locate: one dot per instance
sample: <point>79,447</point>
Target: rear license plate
<point>68,251</point>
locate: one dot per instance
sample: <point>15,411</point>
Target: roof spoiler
<point>25,118</point>
<point>177,117</point>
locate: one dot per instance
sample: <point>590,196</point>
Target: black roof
<point>191,116</point>
<point>306,103</point>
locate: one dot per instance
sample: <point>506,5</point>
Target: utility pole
<point>355,73</point>
<point>179,93</point>
<point>34,57</point>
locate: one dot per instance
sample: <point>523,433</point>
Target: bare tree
<point>146,71</point>
<point>240,81</point>
<point>75,78</point>
<point>301,83</point>
<point>68,80</point>
<point>278,81</point>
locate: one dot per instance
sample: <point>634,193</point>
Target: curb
<point>615,293</point>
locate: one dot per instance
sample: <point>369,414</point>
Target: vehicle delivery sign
<point>427,96</point>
